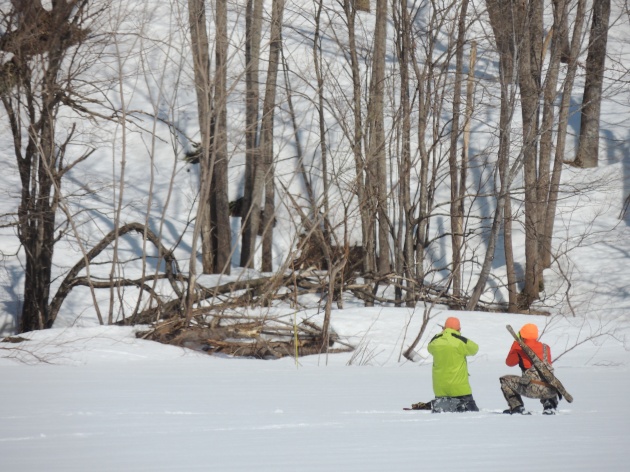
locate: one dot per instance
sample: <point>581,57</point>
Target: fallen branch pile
<point>246,336</point>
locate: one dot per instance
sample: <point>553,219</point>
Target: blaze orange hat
<point>529,331</point>
<point>452,323</point>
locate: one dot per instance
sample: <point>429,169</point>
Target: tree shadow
<point>618,151</point>
<point>574,122</point>
<point>12,304</point>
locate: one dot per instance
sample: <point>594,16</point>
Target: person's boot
<point>517,410</point>
<point>549,406</point>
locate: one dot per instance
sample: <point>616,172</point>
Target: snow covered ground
<point>99,399</point>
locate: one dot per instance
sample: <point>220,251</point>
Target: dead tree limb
<point>72,279</point>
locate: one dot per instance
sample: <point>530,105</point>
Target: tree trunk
<point>562,31</point>
<point>37,228</point>
<point>405,253</point>
<point>220,209</point>
<point>503,211</point>
<point>588,149</point>
<point>529,108</point>
<point>507,22</point>
<point>546,132</point>
<point>275,48</point>
<point>357,143</point>
<point>253,31</point>
<point>457,217</point>
<point>508,92</point>
<point>529,84</point>
<point>463,172</point>
<point>203,87</point>
<point>376,163</point>
<point>263,184</point>
<point>423,77</point>
<point>317,64</point>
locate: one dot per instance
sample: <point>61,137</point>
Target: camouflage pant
<point>528,385</point>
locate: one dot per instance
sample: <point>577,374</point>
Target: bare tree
<point>213,215</point>
<point>376,181</point>
<point>563,121</point>
<point>323,147</point>
<point>219,204</point>
<point>456,183</point>
<point>404,244</point>
<point>253,31</point>
<point>37,83</point>
<point>263,186</point>
<point>358,135</point>
<point>529,78</point>
<point>546,172</point>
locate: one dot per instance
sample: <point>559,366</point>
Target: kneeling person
<point>529,384</point>
<point>450,369</point>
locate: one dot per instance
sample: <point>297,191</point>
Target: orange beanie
<point>452,323</point>
<point>529,331</point>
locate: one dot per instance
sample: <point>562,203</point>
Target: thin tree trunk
<point>470,104</point>
<point>264,173</point>
<point>505,127</point>
<point>529,81</point>
<point>220,208</point>
<point>405,260</point>
<point>546,138</point>
<point>253,33</point>
<point>357,148</point>
<point>203,86</point>
<point>376,164</point>
<point>457,217</point>
<point>424,78</point>
<point>562,32</point>
<point>507,25</point>
<point>321,120</point>
<point>508,99</point>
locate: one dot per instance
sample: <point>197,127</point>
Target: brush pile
<point>241,336</point>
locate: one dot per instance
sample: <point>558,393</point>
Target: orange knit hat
<point>452,323</point>
<point>529,331</point>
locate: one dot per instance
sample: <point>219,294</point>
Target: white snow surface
<point>100,399</point>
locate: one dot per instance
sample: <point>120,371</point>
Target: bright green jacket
<point>450,370</point>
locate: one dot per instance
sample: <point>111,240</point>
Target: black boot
<point>549,406</point>
<point>517,410</point>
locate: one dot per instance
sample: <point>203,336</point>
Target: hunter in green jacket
<point>450,369</point>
